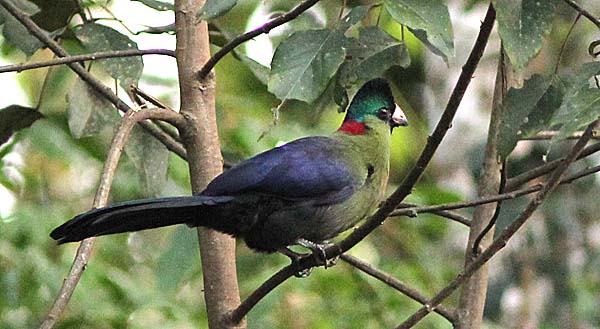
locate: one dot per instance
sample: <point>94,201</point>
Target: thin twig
<point>85,57</point>
<point>396,284</point>
<point>583,12</point>
<point>514,182</point>
<point>544,135</point>
<point>390,204</point>
<point>96,84</point>
<point>507,233</point>
<point>442,213</point>
<point>266,28</point>
<point>562,47</point>
<point>85,248</point>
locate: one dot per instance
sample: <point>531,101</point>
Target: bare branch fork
<point>96,84</point>
<point>85,57</point>
<point>401,192</point>
<point>84,251</point>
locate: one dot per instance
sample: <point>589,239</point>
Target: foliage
<point>152,279</point>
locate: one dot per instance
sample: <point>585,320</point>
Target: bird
<point>304,192</point>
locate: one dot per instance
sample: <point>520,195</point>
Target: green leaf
<point>16,34</point>
<point>516,107</point>
<point>157,5</point>
<point>178,259</point>
<point>151,159</point>
<point>353,17</point>
<point>14,118</point>
<point>215,8</point>
<point>371,55</point>
<point>95,37</point>
<point>303,64</point>
<point>523,24</point>
<point>88,112</point>
<point>585,104</point>
<point>428,20</point>
<point>540,118</point>
<point>260,71</point>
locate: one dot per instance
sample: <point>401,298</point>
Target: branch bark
<point>204,157</point>
<point>84,251</point>
<point>473,293</point>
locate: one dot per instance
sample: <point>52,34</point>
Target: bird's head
<point>374,100</point>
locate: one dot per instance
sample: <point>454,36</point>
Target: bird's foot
<point>318,252</point>
<point>295,258</point>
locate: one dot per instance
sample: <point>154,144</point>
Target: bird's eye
<point>384,114</point>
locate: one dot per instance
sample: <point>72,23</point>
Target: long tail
<point>136,215</point>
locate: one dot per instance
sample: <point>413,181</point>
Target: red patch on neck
<point>353,127</point>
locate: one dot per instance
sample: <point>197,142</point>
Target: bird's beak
<point>398,118</point>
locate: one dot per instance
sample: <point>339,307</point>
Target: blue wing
<point>305,168</point>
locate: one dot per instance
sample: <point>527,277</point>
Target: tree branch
<point>105,91</point>
<point>507,233</point>
<point>85,57</point>
<point>396,284</point>
<point>84,251</point>
<point>544,135</point>
<point>266,28</point>
<point>201,139</point>
<point>514,182</point>
<point>583,12</point>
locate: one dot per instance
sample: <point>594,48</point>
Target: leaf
<point>428,20</point>
<point>540,118</point>
<point>516,106</point>
<point>353,17</point>
<point>157,5</point>
<point>586,106</point>
<point>178,259</point>
<point>579,106</point>
<point>16,34</point>
<point>151,159</point>
<point>371,55</point>
<point>523,24</point>
<point>215,8</point>
<point>88,112</point>
<point>14,118</point>
<point>95,37</point>
<point>303,64</point>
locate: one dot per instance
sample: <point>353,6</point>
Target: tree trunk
<point>473,292</point>
<point>204,157</point>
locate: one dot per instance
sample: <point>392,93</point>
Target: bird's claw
<point>318,252</point>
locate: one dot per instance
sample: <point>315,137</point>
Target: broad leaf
<point>371,55</point>
<point>523,24</point>
<point>428,20</point>
<point>303,64</point>
<point>16,33</point>
<point>88,112</point>
<point>157,5</point>
<point>14,118</point>
<point>586,106</point>
<point>96,37</point>
<point>516,107</point>
<point>151,159</point>
<point>215,8</point>
<point>581,103</point>
<point>353,17</point>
